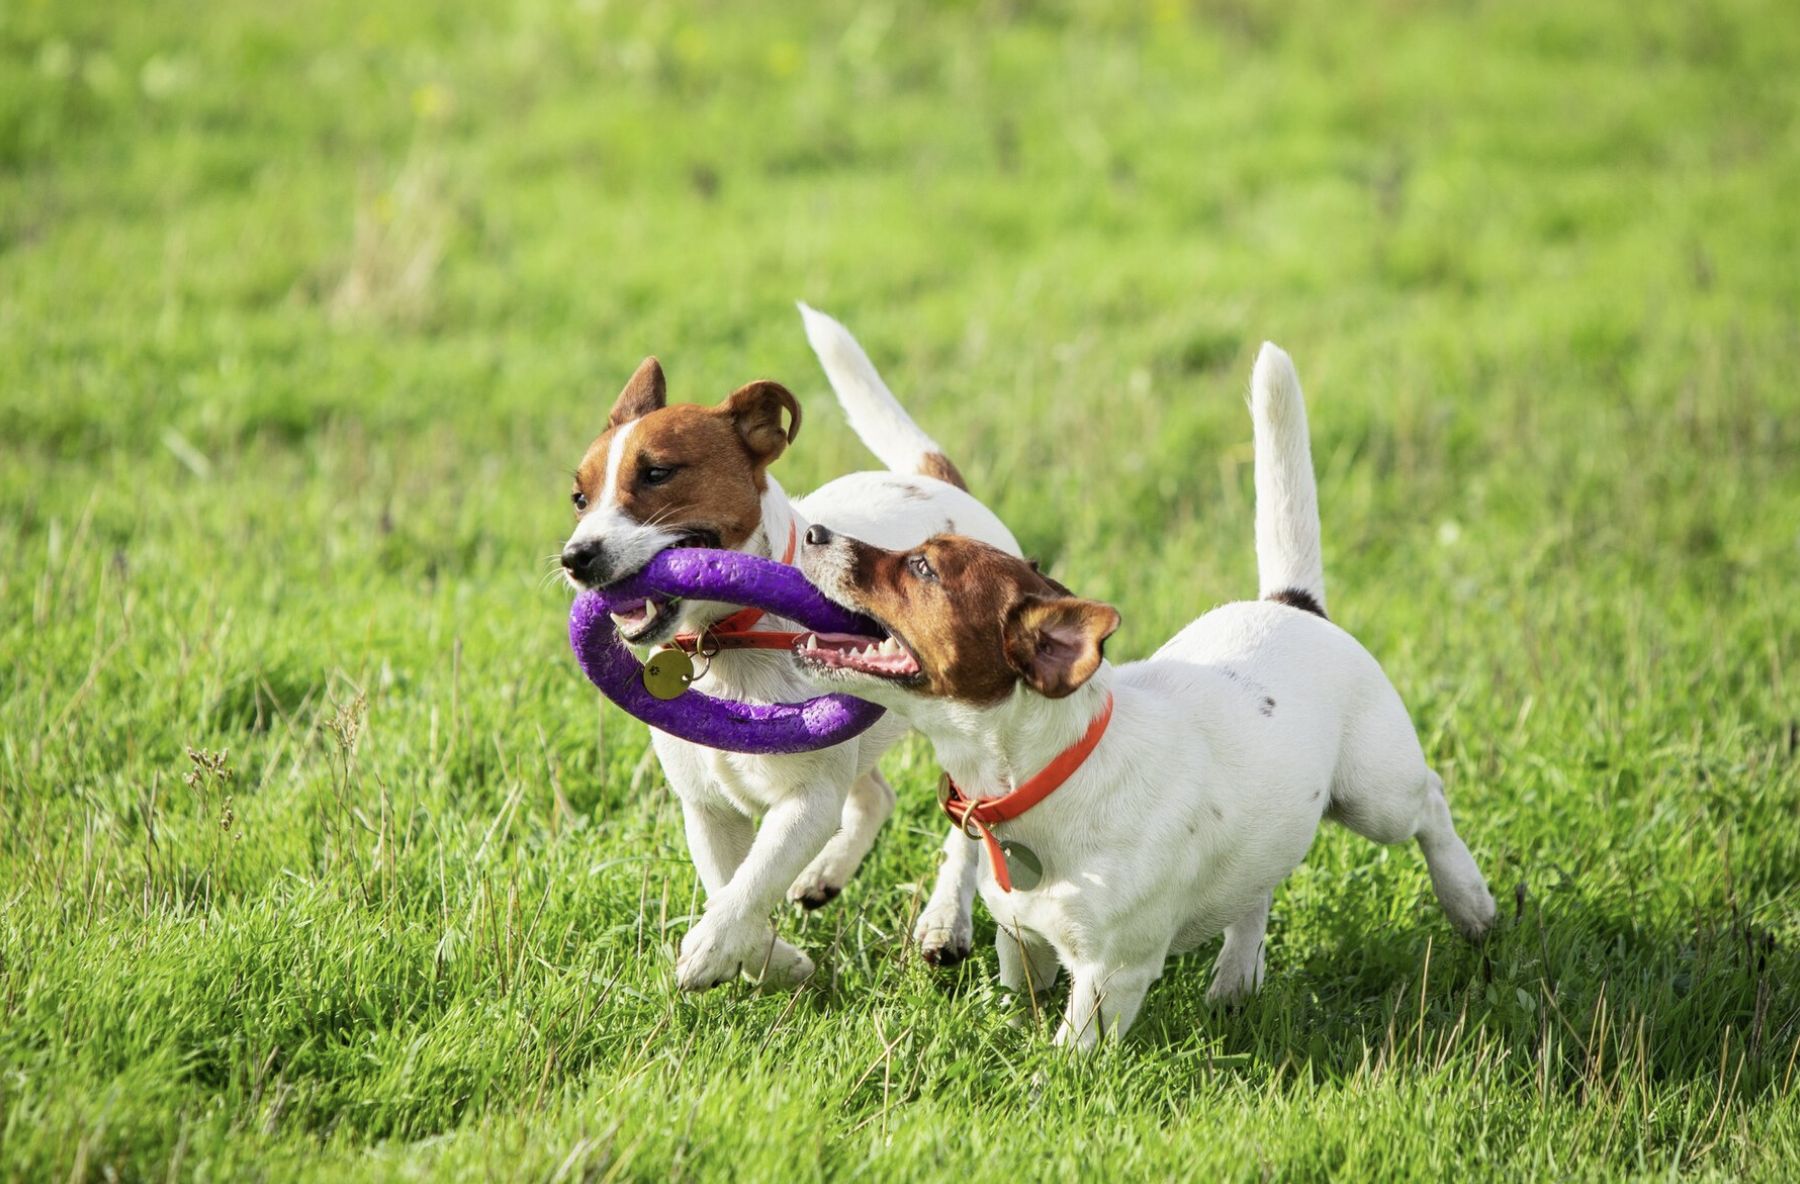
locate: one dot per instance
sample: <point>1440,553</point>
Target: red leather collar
<point>734,632</point>
<point>983,812</point>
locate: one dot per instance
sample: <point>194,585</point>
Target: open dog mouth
<point>641,620</point>
<point>852,653</point>
<point>646,618</point>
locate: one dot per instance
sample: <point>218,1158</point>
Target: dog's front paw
<point>709,956</point>
<point>1229,993</point>
<point>1238,976</point>
<point>714,952</point>
<point>945,940</point>
<point>1025,1012</point>
<point>813,890</point>
<point>782,966</point>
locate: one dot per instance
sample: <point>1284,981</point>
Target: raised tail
<point>1288,563</point>
<point>875,415</point>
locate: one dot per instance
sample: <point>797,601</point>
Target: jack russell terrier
<point>1186,786</point>
<point>665,476</point>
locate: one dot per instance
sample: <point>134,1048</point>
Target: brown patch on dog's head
<point>977,620</point>
<point>698,472</point>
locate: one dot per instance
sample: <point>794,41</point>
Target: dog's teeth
<point>812,641</point>
<point>649,611</point>
<point>619,621</point>
<point>890,646</point>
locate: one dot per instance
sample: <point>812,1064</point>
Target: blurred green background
<point>307,309</point>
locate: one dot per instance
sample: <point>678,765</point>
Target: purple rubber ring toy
<point>733,578</point>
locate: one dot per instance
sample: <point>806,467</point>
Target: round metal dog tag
<point>667,672</point>
<point>1023,865</point>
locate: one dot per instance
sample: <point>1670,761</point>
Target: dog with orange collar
<point>1131,814</point>
<point>663,476</point>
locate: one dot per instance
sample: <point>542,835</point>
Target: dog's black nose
<point>582,560</point>
<point>818,536</point>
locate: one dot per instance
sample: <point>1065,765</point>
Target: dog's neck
<point>989,751</point>
<point>780,522</point>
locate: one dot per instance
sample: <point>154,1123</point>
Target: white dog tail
<point>875,415</point>
<point>1287,500</point>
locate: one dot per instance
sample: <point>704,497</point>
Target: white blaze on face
<point>628,543</point>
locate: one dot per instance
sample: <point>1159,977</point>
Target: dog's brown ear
<point>1056,642</point>
<point>646,392</point>
<point>756,410</point>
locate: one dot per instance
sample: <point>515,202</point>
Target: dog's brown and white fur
<point>1225,750</point>
<point>664,476</point>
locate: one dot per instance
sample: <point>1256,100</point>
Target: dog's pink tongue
<point>634,615</point>
<point>900,663</point>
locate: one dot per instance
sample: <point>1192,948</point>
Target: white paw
<point>1472,910</point>
<point>714,952</point>
<point>1236,982</point>
<point>1025,1012</point>
<point>784,966</point>
<point>1082,1040</point>
<point>821,882</point>
<point>1227,991</point>
<point>945,936</point>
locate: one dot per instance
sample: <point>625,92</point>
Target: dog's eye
<point>657,474</point>
<point>921,567</point>
<point>580,500</point>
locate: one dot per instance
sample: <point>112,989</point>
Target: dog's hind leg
<point>1454,876</point>
<point>1421,812</point>
<point>1385,791</point>
<point>867,806</point>
<point>1457,881</point>
<point>1239,971</point>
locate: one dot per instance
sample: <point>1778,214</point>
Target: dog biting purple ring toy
<point>733,578</point>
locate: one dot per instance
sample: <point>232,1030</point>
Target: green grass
<point>307,309</point>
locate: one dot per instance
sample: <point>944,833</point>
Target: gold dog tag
<point>1023,865</point>
<point>667,672</point>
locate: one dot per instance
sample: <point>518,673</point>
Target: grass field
<point>318,858</point>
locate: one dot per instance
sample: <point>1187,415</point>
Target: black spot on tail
<point>1300,599</point>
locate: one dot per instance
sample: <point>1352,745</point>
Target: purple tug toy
<point>733,578</point>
